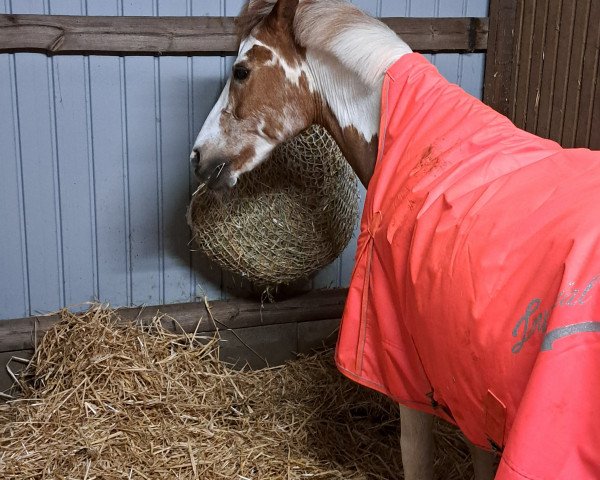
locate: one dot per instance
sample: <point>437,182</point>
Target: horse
<point>449,230</point>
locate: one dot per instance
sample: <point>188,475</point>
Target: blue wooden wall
<point>94,155</point>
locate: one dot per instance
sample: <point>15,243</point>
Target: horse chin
<point>223,185</point>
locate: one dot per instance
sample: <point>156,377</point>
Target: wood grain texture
<point>63,34</point>
<point>590,91</point>
<point>538,53</point>
<point>549,84</point>
<point>24,333</point>
<point>565,49</point>
<point>500,56</point>
<point>525,36</point>
<point>576,73</point>
<point>553,23</point>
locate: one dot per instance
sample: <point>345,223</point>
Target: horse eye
<point>240,73</point>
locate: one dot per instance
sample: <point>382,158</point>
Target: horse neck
<point>348,109</point>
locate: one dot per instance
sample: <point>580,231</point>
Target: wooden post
<point>501,59</point>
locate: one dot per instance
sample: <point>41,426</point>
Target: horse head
<point>265,101</point>
<point>300,62</point>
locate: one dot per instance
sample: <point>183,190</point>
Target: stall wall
<point>94,154</point>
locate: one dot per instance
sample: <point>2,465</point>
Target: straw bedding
<point>108,401</point>
<point>286,219</point>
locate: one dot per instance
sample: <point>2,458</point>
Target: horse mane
<point>360,42</point>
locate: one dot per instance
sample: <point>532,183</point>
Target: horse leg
<point>484,463</point>
<point>416,442</point>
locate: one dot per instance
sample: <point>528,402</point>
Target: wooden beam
<point>436,35</point>
<point>24,333</point>
<point>86,35</point>
<point>500,62</point>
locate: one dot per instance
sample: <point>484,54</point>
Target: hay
<point>286,219</point>
<point>102,401</point>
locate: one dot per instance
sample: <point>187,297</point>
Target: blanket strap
<point>374,223</point>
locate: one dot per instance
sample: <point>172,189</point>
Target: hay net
<point>286,219</point>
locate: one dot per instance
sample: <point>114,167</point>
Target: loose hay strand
<point>102,400</point>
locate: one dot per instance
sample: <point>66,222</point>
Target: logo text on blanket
<point>536,320</point>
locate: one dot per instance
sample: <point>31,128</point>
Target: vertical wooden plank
<point>574,83</point>
<point>589,81</point>
<point>565,47</point>
<point>548,74</point>
<point>14,292</point>
<point>107,109</point>
<point>595,124</point>
<point>594,129</point>
<point>500,60</point>
<point>536,67</point>
<point>175,172</point>
<point>525,61</point>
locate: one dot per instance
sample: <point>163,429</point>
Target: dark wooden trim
<point>23,333</point>
<point>500,62</point>
<point>85,35</point>
<point>459,35</point>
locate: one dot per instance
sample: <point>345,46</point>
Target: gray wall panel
<point>14,288</point>
<point>41,188</point>
<point>95,156</point>
<point>107,111</point>
<point>75,177</point>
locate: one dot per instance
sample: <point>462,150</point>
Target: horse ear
<point>285,11</point>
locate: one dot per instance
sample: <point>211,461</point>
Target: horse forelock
<point>252,14</point>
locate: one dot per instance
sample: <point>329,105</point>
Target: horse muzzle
<point>215,174</point>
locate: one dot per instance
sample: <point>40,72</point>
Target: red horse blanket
<point>476,289</point>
